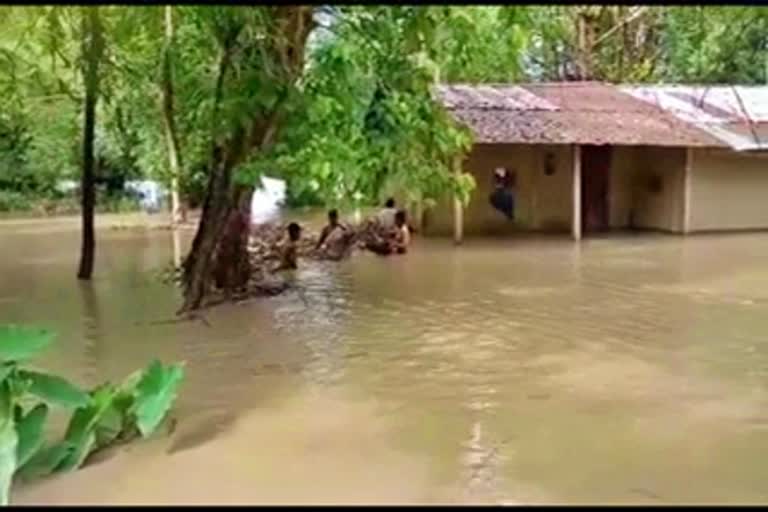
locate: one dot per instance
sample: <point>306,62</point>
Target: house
<point>587,157</point>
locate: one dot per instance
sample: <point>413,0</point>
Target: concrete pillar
<point>686,202</point>
<point>576,214</point>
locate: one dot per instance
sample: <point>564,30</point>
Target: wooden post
<point>458,209</point>
<point>686,217</point>
<point>418,214</point>
<point>576,214</point>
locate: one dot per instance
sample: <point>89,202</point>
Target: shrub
<point>100,417</point>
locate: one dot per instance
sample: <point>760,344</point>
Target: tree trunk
<point>92,51</point>
<point>219,255</point>
<point>232,267</point>
<point>178,210</point>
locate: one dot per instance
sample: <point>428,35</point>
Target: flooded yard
<point>629,369</point>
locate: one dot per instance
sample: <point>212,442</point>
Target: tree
<point>608,43</point>
<point>307,119</point>
<point>715,44</point>
<point>368,123</point>
<point>691,44</point>
<point>482,44</point>
<point>93,49</point>
<point>261,54</point>
<point>178,212</point>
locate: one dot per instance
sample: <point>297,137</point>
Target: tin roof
<point>566,113</point>
<point>736,115</point>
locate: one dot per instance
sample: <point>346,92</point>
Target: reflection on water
<point>622,370</point>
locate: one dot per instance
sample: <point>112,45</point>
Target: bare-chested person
<point>394,240</point>
<point>289,253</point>
<point>401,238</point>
<point>334,239</point>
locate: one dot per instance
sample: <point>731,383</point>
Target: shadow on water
<point>92,329</point>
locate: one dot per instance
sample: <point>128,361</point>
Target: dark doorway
<point>595,177</point>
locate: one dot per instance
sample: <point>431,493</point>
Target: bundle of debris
<point>266,242</point>
<point>267,239</point>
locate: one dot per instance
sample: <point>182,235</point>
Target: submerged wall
<point>657,189</point>
<point>542,201</point>
<point>729,190</point>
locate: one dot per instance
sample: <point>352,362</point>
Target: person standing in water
<point>334,238</point>
<point>386,215</point>
<point>289,254</point>
<point>402,236</point>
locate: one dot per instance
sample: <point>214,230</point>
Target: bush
<point>11,201</point>
<point>100,417</point>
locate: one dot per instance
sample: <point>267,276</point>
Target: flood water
<point>629,369</point>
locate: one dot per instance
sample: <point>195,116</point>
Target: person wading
<point>386,215</point>
<point>290,251</point>
<point>402,236</point>
<point>334,239</point>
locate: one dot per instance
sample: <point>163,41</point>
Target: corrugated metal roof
<point>736,115</point>
<point>566,113</point>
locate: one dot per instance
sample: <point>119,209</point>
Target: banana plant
<point>99,417</point>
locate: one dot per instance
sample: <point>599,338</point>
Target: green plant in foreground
<point>100,417</point>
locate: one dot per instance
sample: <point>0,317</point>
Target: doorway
<point>595,182</point>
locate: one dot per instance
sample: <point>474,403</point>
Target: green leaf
<point>55,389</point>
<point>109,426</point>
<point>6,404</point>
<point>155,394</point>
<point>45,461</point>
<point>8,442</point>
<point>129,383</point>
<point>30,433</point>
<point>18,343</point>
<point>5,370</point>
<point>78,453</point>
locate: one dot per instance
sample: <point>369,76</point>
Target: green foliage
<point>359,121</point>
<point>622,43</point>
<point>367,119</point>
<point>100,417</point>
<point>29,431</point>
<point>482,44</point>
<point>716,44</point>
<point>8,443</point>
<point>154,395</point>
<point>53,389</point>
<point>19,343</point>
<point>11,201</point>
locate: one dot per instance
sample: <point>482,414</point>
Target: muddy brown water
<point>629,369</point>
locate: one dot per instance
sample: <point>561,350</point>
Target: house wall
<point>729,191</point>
<point>656,189</point>
<point>541,201</point>
<point>545,202</point>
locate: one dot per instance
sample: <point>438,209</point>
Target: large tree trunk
<point>178,210</point>
<point>219,255</point>
<point>92,51</point>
